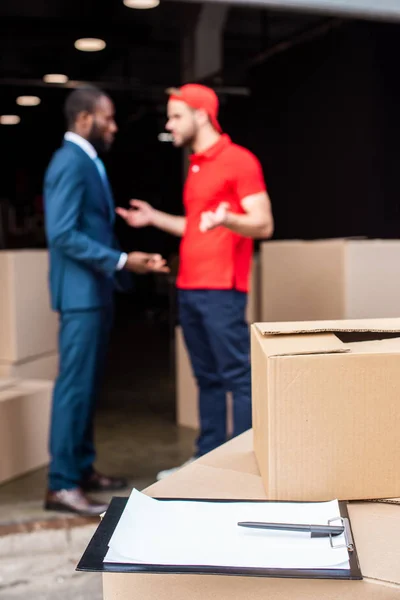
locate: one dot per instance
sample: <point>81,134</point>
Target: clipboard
<point>93,557</point>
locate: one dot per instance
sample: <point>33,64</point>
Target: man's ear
<point>202,116</point>
<point>85,120</point>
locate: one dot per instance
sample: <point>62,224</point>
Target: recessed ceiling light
<point>90,44</point>
<point>55,78</point>
<point>9,119</point>
<point>28,100</point>
<point>141,4</point>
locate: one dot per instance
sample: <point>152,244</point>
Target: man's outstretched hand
<point>143,262</point>
<point>139,215</point>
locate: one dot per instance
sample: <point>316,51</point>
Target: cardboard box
<point>40,367</point>
<point>326,409</point>
<point>7,383</point>
<point>24,427</point>
<point>254,300</point>
<point>329,279</point>
<point>231,472</point>
<point>186,388</point>
<point>28,326</point>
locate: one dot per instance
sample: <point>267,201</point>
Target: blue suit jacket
<point>79,217</point>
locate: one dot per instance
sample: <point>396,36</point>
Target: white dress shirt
<point>87,147</point>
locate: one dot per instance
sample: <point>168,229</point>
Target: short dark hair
<point>83,99</point>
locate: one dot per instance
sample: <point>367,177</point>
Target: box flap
<point>317,337</point>
<point>292,345</point>
<point>311,327</point>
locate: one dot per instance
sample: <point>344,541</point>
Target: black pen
<point>315,530</point>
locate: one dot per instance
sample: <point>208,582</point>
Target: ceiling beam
<point>303,36</point>
<point>385,10</point>
<point>140,88</point>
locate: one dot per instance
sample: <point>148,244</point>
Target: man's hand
<point>209,219</point>
<point>142,263</point>
<point>140,215</point>
<point>255,222</point>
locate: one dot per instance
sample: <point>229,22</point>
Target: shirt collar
<point>86,146</point>
<point>215,149</point>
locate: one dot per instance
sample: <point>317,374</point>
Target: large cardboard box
<point>24,427</point>
<point>231,472</point>
<point>28,326</point>
<point>186,388</point>
<point>39,367</point>
<point>329,279</point>
<point>326,409</point>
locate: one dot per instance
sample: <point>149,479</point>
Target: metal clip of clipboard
<point>349,544</point>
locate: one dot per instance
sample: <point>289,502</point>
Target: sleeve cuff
<point>122,261</point>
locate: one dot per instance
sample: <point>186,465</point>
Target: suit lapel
<point>93,170</point>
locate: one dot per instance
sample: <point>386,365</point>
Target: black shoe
<point>73,501</point>
<point>96,482</point>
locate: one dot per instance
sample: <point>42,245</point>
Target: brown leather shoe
<point>97,482</point>
<point>73,501</point>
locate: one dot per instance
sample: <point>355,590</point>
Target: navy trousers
<point>217,338</point>
<point>83,342</point>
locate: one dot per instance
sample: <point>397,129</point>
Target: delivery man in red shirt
<point>226,207</point>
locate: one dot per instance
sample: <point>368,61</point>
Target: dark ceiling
<point>144,56</point>
<point>143,53</point>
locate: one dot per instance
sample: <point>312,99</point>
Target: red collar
<point>212,152</point>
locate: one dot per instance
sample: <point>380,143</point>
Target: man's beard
<point>189,139</point>
<point>186,142</point>
<point>97,140</point>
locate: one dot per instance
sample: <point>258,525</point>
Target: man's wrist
<point>229,220</point>
<point>122,261</point>
<point>153,218</point>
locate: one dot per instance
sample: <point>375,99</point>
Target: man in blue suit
<point>85,266</point>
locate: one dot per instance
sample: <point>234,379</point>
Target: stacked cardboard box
<point>28,361</point>
<point>326,410</point>
<point>24,426</point>
<point>329,279</point>
<point>325,405</point>
<point>28,327</point>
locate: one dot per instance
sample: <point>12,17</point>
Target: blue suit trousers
<point>83,342</point>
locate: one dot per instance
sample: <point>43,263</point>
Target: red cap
<point>198,97</point>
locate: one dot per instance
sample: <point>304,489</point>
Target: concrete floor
<point>134,444</point>
<point>136,437</point>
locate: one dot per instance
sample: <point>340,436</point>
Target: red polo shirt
<point>218,259</point>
